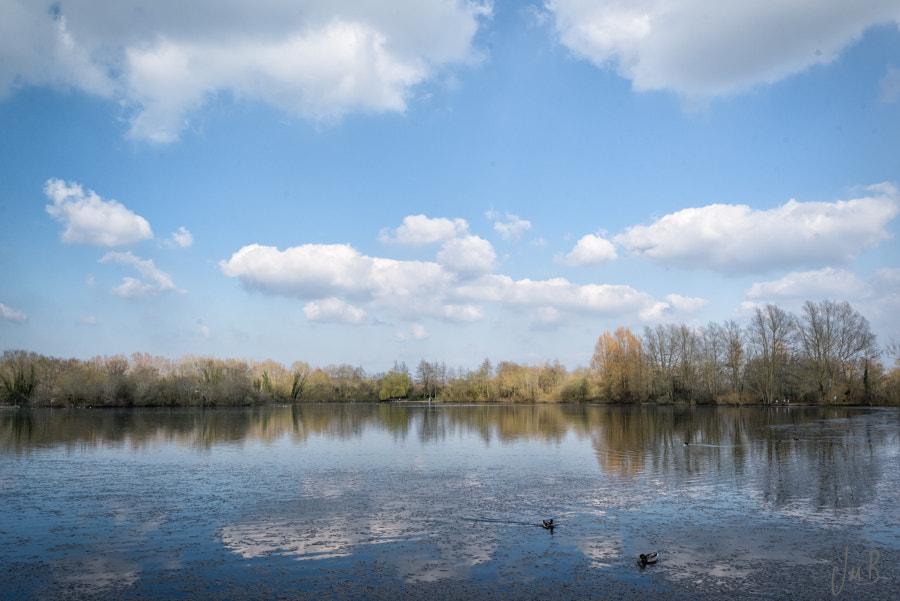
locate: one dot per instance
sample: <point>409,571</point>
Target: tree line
<point>826,355</point>
<point>28,378</point>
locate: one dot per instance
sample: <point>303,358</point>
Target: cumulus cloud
<point>559,293</point>
<point>738,239</point>
<point>821,283</point>
<point>709,47</point>
<point>876,296</point>
<point>10,314</point>
<point>673,307</point>
<point>467,313</point>
<point>512,228</point>
<point>418,230</point>
<point>318,60</point>
<point>467,256</point>
<point>317,271</point>
<point>460,253</point>
<point>91,220</point>
<point>334,310</point>
<point>160,281</point>
<point>340,68</point>
<point>591,250</point>
<point>180,239</point>
<point>337,281</point>
<point>39,48</point>
<point>685,304</point>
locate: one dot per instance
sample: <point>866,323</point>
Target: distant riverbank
<point>615,377</point>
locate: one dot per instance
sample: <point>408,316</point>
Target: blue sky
<point>363,182</point>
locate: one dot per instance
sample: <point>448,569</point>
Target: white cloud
<point>467,256</point>
<point>337,281</point>
<point>39,48</point>
<point>822,283</point>
<point>418,230</point>
<point>685,304</point>
<point>92,220</point>
<point>132,287</point>
<point>180,239</point>
<point>546,318</point>
<point>465,313</point>
<point>738,239</point>
<point>318,60</point>
<point>339,68</point>
<point>591,250</point>
<point>746,309</point>
<point>10,314</point>
<point>88,321</point>
<point>334,310</point>
<point>512,228</point>
<point>558,293</point>
<point>877,296</point>
<point>709,47</point>
<point>418,331</point>
<point>657,311</point>
<point>890,86</point>
<point>205,331</point>
<point>319,271</point>
<point>673,308</point>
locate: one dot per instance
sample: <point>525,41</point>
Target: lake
<point>358,501</point>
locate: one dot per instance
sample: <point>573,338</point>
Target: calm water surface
<point>445,502</point>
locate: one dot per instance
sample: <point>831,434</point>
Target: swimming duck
<point>648,558</point>
<point>548,524</point>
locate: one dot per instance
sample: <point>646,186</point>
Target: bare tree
<point>893,348</point>
<point>428,375</point>
<point>734,341</point>
<point>835,339</point>
<point>661,354</point>
<point>771,335</point>
<point>712,351</point>
<point>686,346</point>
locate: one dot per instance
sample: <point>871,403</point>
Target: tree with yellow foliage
<point>617,366</point>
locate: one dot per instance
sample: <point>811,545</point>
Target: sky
<point>365,182</point>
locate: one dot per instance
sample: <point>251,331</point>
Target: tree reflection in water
<point>449,496</point>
